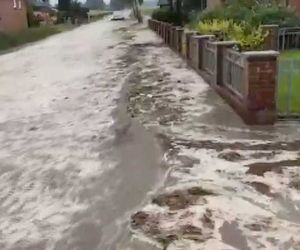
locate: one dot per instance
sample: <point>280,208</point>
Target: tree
<point>95,4</point>
<point>64,5</point>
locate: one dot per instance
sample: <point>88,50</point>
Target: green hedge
<point>166,15</point>
<point>256,15</point>
<point>8,41</point>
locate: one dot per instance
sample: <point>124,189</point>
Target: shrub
<point>254,15</point>
<point>275,15</point>
<point>220,28</point>
<point>26,36</point>
<point>166,15</point>
<point>249,37</point>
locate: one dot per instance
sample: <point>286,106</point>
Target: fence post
<point>179,32</point>
<point>261,83</point>
<point>217,77</point>
<point>188,36</point>
<point>173,36</point>
<point>159,28</point>
<point>163,30</point>
<point>168,37</point>
<point>271,41</point>
<point>196,49</point>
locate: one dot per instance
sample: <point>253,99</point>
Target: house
<point>13,15</point>
<point>294,4</point>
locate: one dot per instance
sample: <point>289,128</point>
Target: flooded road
<point>108,145</point>
<point>72,163</point>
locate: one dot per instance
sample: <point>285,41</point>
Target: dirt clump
<point>207,220</point>
<point>221,146</point>
<point>261,188</point>
<point>178,199</point>
<point>192,233</point>
<point>267,155</point>
<point>295,184</point>
<point>264,224</point>
<point>175,201</point>
<point>231,156</point>
<point>139,219</point>
<point>199,191</point>
<point>260,168</point>
<point>188,161</point>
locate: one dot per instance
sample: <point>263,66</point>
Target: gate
<point>288,91</point>
<point>289,38</point>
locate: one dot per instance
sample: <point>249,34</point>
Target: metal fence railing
<point>289,38</point>
<point>234,71</point>
<point>288,89</point>
<point>209,57</point>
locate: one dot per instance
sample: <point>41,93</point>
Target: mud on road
<point>228,186</point>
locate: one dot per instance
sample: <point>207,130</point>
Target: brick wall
<point>12,19</point>
<point>250,91</point>
<point>295,4</point>
<point>261,86</point>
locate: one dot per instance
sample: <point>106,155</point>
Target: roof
<point>163,2</point>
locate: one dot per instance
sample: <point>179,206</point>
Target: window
<point>203,4</point>
<point>17,4</point>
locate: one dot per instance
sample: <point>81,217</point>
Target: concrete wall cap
<point>225,42</point>
<point>270,25</point>
<point>190,32</point>
<point>203,36</point>
<point>265,53</point>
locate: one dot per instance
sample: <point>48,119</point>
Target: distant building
<point>13,16</point>
<point>294,4</point>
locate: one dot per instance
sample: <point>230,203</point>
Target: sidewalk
<point>229,186</point>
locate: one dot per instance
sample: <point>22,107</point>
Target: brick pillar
<point>271,41</point>
<point>163,25</point>
<point>261,83</point>
<point>188,36</point>
<point>179,32</point>
<point>217,77</point>
<point>155,25</point>
<point>159,28</point>
<point>173,37</point>
<point>150,23</point>
<point>167,41</point>
<point>165,32</point>
<point>196,49</point>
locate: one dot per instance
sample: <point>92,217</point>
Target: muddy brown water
<point>233,236</point>
<point>260,168</point>
<point>140,155</point>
